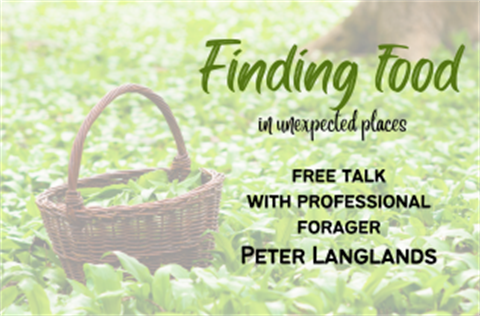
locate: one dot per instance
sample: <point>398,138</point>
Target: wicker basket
<point>160,232</point>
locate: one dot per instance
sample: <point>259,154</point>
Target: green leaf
<point>38,301</point>
<point>80,288</point>
<point>154,178</point>
<point>469,259</point>
<point>32,208</point>
<point>224,246</point>
<point>276,307</point>
<point>437,283</point>
<point>177,271</point>
<point>106,193</point>
<point>136,200</point>
<point>423,298</point>
<point>297,292</point>
<point>388,290</point>
<point>134,267</point>
<point>111,294</point>
<point>104,279</point>
<point>374,280</point>
<point>134,186</point>
<point>192,181</point>
<point>465,275</point>
<point>56,275</point>
<point>258,308</point>
<point>472,295</point>
<point>418,226</point>
<point>283,230</point>
<point>314,300</point>
<point>162,288</point>
<point>147,194</point>
<point>8,296</point>
<point>447,295</point>
<point>82,302</point>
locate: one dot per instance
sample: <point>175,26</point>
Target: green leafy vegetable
<point>149,187</point>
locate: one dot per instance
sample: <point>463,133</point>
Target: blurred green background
<point>59,59</point>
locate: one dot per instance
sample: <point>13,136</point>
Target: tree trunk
<point>422,26</point>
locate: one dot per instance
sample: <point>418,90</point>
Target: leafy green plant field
<point>59,59</point>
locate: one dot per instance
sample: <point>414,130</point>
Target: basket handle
<point>179,169</point>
